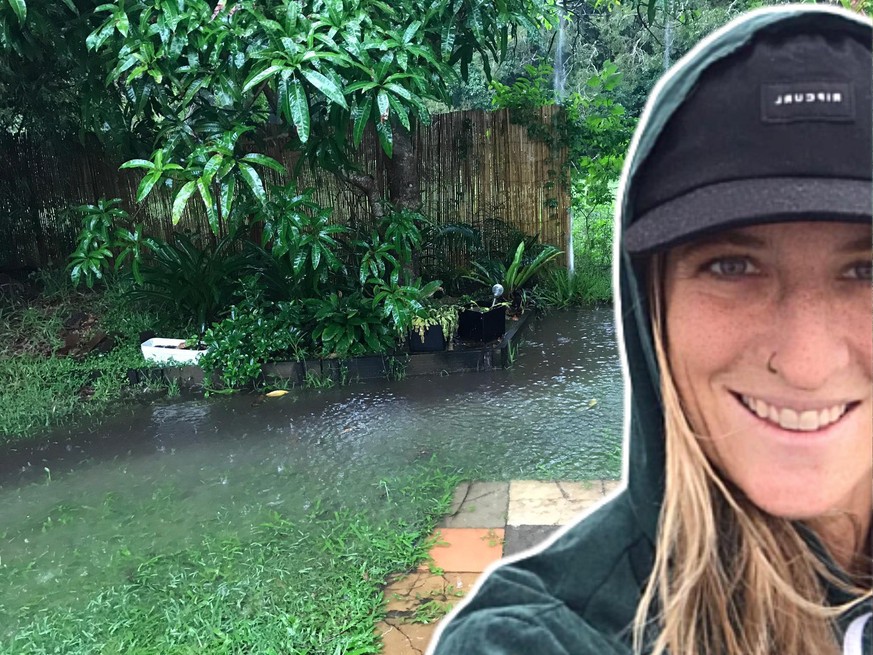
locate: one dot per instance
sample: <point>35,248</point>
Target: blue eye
<point>731,267</point>
<point>861,271</point>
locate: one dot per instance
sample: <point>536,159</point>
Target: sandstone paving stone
<point>466,550</point>
<point>478,505</point>
<point>405,594</point>
<point>532,502</point>
<point>521,537</point>
<point>400,638</point>
<point>415,604</point>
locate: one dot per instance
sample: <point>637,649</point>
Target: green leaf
<point>146,185</point>
<point>20,9</point>
<point>382,101</point>
<point>182,199</point>
<point>410,31</point>
<point>208,202</point>
<point>228,187</point>
<point>326,86</point>
<point>121,22</point>
<point>447,40</point>
<point>653,6</point>
<point>257,78</point>
<point>98,37</point>
<point>253,180</point>
<point>360,116</point>
<point>386,137</point>
<point>316,258</point>
<point>400,111</point>
<point>292,11</point>
<point>263,160</point>
<point>360,86</point>
<point>72,7</point>
<point>399,90</point>
<point>212,167</point>
<point>137,163</point>
<point>299,109</point>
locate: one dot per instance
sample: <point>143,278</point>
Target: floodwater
<point>155,477</point>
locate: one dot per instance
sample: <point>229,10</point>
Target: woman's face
<point>797,439</point>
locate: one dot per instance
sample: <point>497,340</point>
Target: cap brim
<point>743,202</point>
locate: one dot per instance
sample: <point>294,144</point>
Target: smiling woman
<point>744,267</point>
<point>769,344</point>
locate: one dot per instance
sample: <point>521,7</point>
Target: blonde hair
<point>728,578</point>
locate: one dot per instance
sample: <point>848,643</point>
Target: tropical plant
<point>197,284</point>
<point>518,272</point>
<point>400,303</point>
<point>446,316</point>
<point>192,77</point>
<point>97,239</point>
<point>346,325</point>
<point>439,257</point>
<point>298,230</point>
<point>255,332</point>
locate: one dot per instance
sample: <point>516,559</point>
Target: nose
<point>811,340</point>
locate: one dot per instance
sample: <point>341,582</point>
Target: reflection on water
<point>154,478</point>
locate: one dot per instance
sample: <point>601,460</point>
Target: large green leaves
<point>20,9</point>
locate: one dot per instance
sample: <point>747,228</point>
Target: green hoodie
<point>578,594</point>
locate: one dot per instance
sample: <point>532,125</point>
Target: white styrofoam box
<point>167,350</point>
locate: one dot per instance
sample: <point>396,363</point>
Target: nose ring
<point>770,366</point>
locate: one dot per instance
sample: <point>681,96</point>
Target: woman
<point>744,270</point>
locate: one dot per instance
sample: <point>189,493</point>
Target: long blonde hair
<point>728,578</point>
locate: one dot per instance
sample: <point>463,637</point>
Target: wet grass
<point>42,387</point>
<point>307,585</point>
<point>590,285</point>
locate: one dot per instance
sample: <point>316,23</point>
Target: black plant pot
<point>434,340</point>
<point>474,325</point>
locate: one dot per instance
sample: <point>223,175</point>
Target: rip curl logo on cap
<point>807,101</point>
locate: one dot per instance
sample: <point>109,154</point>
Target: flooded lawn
<point>82,514</point>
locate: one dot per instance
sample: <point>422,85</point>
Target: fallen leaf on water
<point>277,393</point>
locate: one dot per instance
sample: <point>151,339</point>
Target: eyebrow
<point>729,238</point>
<point>862,244</point>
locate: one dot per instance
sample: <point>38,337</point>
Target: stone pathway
<point>487,521</point>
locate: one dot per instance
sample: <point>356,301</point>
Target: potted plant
<point>433,329</point>
<point>511,278</point>
<point>483,321</point>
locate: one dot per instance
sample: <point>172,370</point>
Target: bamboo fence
<point>475,167</point>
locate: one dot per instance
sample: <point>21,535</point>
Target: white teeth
<point>808,420</point>
<point>788,419</point>
<point>791,419</point>
<point>761,409</point>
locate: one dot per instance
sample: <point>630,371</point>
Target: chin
<point>799,500</point>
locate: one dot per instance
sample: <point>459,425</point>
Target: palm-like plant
<point>518,273</point>
<point>195,283</point>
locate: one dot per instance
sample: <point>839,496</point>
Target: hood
<point>644,454</point>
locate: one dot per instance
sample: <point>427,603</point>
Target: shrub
<point>256,332</point>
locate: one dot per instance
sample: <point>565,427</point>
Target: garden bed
<point>463,358</point>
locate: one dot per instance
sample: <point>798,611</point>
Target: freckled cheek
<point>704,337</point>
<point>861,340</point>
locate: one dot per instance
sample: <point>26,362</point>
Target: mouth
<point>793,419</point>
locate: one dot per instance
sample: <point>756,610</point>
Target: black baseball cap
<point>777,130</point>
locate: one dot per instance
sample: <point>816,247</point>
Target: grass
<point>311,585</point>
<point>590,284</point>
<point>44,388</point>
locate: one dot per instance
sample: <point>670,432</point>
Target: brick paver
<point>487,521</point>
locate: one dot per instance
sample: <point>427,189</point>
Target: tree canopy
<point>181,82</point>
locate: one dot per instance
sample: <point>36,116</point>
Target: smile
<point>794,419</point>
